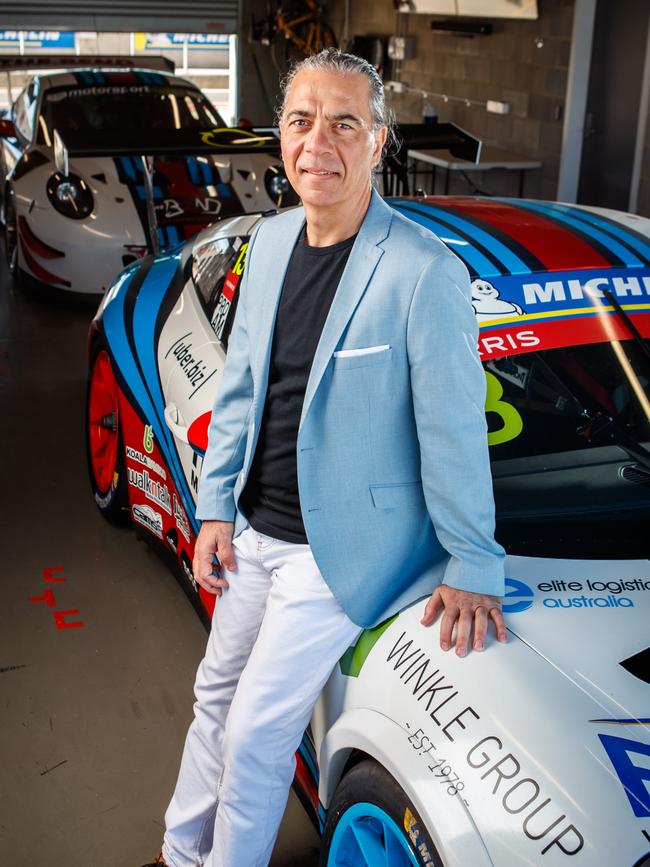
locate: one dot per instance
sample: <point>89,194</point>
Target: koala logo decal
<point>488,305</point>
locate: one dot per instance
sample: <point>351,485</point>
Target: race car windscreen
<point>134,107</point>
<point>569,433</point>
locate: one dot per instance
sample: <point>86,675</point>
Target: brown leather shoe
<point>157,862</point>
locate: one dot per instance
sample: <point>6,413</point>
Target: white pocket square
<point>366,350</point>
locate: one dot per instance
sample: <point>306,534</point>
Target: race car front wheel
<point>11,234</point>
<point>372,821</point>
<point>104,447</point>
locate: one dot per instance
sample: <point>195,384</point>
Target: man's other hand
<point>466,611</point>
<point>215,537</point>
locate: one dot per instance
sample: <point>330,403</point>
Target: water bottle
<point>429,114</point>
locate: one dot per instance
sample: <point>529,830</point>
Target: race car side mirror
<point>7,128</point>
<point>61,160</point>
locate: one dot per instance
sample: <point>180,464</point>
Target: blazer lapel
<point>273,261</point>
<point>360,267</point>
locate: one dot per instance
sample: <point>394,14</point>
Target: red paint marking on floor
<point>47,597</point>
<point>48,575</point>
<point>59,619</point>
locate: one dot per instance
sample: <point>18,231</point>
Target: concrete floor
<point>93,717</point>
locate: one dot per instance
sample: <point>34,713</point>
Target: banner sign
<point>202,41</point>
<point>37,39</point>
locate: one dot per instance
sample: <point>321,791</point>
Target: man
<point>347,472</point>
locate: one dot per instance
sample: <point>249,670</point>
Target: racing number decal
<point>512,423</point>
<point>238,267</point>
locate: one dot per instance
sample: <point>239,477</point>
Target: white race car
<point>536,752</point>
<point>75,230</point>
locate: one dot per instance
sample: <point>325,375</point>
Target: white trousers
<point>276,635</point>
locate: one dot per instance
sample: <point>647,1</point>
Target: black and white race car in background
<point>75,229</point>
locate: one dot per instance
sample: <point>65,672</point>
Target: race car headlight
<point>70,195</point>
<point>276,183</point>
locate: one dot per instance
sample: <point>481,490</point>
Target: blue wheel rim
<point>366,836</point>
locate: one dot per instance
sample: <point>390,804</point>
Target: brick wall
<point>505,66</point>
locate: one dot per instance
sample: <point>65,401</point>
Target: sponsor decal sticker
<point>488,304</point>
<point>631,761</point>
<point>149,518</point>
<point>151,488</point>
<point>412,828</point>
<point>519,597</point>
<point>196,472</point>
<point>516,314</point>
<point>220,315</point>
<point>147,439</point>
<point>171,537</point>
<point>146,461</point>
<point>181,519</point>
<point>168,209</point>
<point>215,137</point>
<point>495,345</point>
<point>186,563</point>
<point>502,775</point>
<point>590,593</point>
<point>192,366</point>
<point>95,90</point>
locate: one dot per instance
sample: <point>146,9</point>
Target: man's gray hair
<point>334,60</point>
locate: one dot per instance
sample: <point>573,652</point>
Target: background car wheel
<point>11,235</point>
<point>104,448</point>
<point>371,821</point>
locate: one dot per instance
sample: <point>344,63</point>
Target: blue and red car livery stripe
<point>497,237</point>
<point>131,323</point>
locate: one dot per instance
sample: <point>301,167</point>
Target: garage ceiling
<point>190,16</point>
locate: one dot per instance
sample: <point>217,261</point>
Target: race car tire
<point>371,820</point>
<point>104,447</point>
<point>11,235</point>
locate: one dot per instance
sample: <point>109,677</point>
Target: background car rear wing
<point>440,136</point>
<point>30,62</point>
<point>174,142</point>
<point>151,143</point>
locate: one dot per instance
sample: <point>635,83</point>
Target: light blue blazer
<point>393,469</point>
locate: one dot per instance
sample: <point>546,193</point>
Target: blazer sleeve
<point>224,457</point>
<point>448,386</point>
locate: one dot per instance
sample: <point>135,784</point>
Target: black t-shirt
<point>270,499</point>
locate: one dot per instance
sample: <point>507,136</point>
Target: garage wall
<point>506,66</point>
<point>258,79</point>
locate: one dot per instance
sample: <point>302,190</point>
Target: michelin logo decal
<point>488,304</point>
<point>561,292</point>
<point>580,289</point>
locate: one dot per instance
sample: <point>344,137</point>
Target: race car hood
<point>588,619</point>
